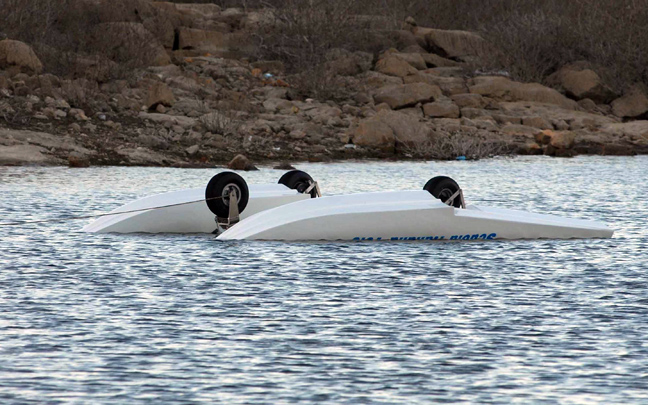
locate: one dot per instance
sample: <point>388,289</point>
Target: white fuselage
<point>188,212</point>
<point>404,215</point>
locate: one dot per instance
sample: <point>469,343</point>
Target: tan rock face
<point>25,154</point>
<point>394,66</point>
<point>537,122</point>
<point>468,100</point>
<point>520,130</point>
<point>432,60</point>
<point>374,133</point>
<point>633,104</point>
<point>240,162</point>
<point>199,10</point>
<point>159,94</point>
<point>562,139</point>
<point>448,85</point>
<point>581,84</point>
<point>501,88</point>
<point>560,117</point>
<point>414,59</point>
<point>407,94</point>
<point>635,132</point>
<point>19,54</point>
<point>341,62</point>
<point>441,109</point>
<point>388,130</point>
<point>376,79</point>
<point>192,38</point>
<point>455,44</point>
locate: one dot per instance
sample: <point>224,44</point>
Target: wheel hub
<point>228,190</point>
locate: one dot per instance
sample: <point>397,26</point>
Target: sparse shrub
<point>450,146</point>
<point>220,122</point>
<point>304,32</point>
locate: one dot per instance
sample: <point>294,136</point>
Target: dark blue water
<point>88,318</point>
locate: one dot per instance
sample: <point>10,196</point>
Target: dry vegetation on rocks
<point>197,82</point>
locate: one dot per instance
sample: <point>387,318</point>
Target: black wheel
<point>298,180</point>
<point>219,189</point>
<point>443,188</point>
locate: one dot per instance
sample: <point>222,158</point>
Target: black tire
<point>298,180</point>
<point>443,188</point>
<point>221,185</point>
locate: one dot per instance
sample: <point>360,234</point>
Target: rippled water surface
<point>91,318</point>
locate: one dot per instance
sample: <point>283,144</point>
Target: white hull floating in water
<point>404,215</point>
<point>194,210</point>
<point>288,211</point>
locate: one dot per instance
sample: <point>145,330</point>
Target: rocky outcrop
<point>25,155</point>
<point>580,83</point>
<point>39,148</point>
<point>341,62</point>
<point>389,130</point>
<point>433,60</point>
<point>394,66</point>
<point>240,162</point>
<point>633,104</point>
<point>202,40</point>
<point>413,59</point>
<point>406,95</point>
<point>448,85</point>
<point>455,44</point>
<point>502,88</point>
<point>441,109</point>
<point>204,109</point>
<point>19,56</point>
<point>159,94</point>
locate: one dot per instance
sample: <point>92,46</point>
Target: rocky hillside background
<point>140,82</point>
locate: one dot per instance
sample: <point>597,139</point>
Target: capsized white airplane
<point>289,211</point>
<point>438,212</point>
<point>201,210</point>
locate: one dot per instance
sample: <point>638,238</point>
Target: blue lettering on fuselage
<point>475,236</point>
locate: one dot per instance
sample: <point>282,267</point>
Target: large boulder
<point>432,60</point>
<point>633,104</point>
<point>414,59</point>
<point>635,132</point>
<point>158,94</point>
<point>240,162</point>
<point>394,66</point>
<point>448,85</point>
<point>504,89</point>
<point>202,40</point>
<point>389,130</point>
<point>406,95</point>
<point>441,109</point>
<point>374,80</point>
<point>199,10</point>
<point>23,154</point>
<point>469,100</point>
<point>455,44</point>
<point>373,133</point>
<point>553,113</point>
<point>340,62</point>
<point>581,84</point>
<point>19,55</point>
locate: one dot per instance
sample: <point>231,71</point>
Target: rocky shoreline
<point>203,101</point>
